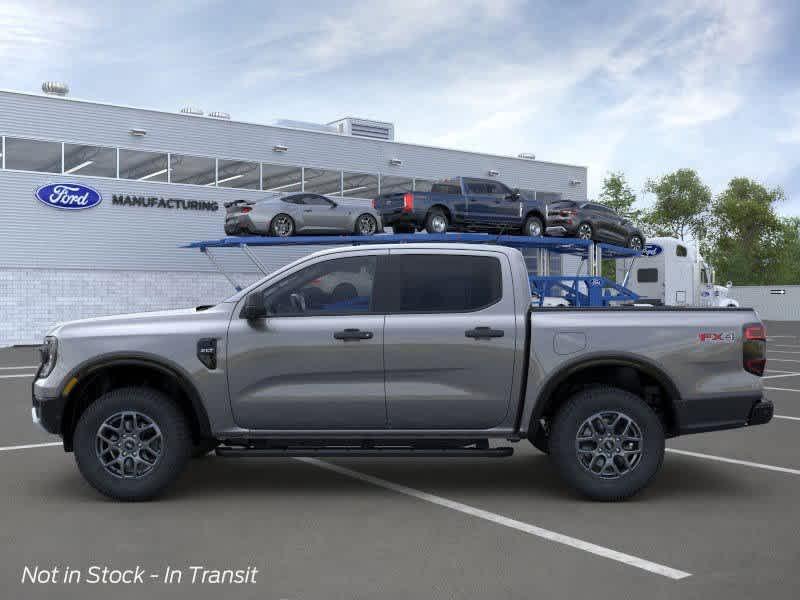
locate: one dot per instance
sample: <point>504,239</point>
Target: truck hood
<point>133,322</point>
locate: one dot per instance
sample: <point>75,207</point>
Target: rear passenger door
<point>443,371</point>
<point>478,203</point>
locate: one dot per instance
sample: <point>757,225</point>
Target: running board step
<point>393,452</point>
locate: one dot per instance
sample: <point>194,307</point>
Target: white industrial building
<point>163,178</point>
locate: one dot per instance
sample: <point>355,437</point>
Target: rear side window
<point>680,251</point>
<point>446,188</point>
<point>647,275</point>
<point>430,283</point>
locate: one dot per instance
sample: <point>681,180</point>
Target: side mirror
<point>514,195</point>
<point>253,307</point>
<point>333,204</point>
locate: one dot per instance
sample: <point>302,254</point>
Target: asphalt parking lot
<point>721,521</point>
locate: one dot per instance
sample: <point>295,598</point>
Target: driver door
<point>321,214</point>
<point>316,361</point>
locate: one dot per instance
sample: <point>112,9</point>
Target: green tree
<point>681,205</point>
<point>618,195</point>
<point>749,243</point>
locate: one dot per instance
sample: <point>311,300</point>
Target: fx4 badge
<point>716,337</point>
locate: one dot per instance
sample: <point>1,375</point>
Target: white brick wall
<point>33,300</point>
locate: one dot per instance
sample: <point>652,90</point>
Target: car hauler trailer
<point>589,290</point>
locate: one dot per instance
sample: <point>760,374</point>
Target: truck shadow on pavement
<point>530,476</point>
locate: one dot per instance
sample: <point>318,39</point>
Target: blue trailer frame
<point>591,290</point>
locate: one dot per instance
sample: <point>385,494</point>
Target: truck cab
<point>671,272</point>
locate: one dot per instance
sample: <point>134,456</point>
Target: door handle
<point>484,332</point>
<point>352,334</point>
<point>308,210</point>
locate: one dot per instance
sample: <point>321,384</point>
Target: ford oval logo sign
<point>652,250</point>
<point>68,196</point>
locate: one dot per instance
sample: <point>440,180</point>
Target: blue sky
<point>644,88</point>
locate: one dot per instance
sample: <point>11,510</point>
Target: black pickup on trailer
<point>464,204</point>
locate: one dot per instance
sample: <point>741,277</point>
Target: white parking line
<point>778,371</point>
<point>784,375</point>
<point>553,536</point>
<point>781,389</point>
<point>18,368</point>
<point>27,446</point>
<point>734,461</point>
<point>771,346</point>
<point>784,351</point>
<point>773,359</point>
<point>788,418</point>
<point>17,375</point>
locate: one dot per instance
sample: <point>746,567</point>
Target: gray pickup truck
<point>405,350</point>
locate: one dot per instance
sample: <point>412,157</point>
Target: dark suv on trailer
<point>592,221</point>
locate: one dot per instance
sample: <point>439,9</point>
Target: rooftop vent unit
<point>55,88</point>
<point>192,110</point>
<point>216,114</point>
<point>303,125</point>
<point>376,130</point>
<point>527,155</point>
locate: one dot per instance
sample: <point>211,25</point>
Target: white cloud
<point>33,34</point>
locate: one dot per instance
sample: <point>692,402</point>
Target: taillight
<point>408,202</point>
<point>246,209</point>
<point>754,348</point>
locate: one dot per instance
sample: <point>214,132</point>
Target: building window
<point>280,178</point>
<point>360,185</point>
<point>144,166</point>
<point>33,155</point>
<point>238,174</point>
<point>323,181</point>
<point>396,185</point>
<point>90,160</point>
<point>196,170</point>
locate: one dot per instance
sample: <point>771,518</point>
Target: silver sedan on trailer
<point>283,215</point>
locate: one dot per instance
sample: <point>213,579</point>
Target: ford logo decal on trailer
<point>652,250</point>
<point>68,196</point>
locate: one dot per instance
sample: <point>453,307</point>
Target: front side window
<point>33,155</point>
<point>314,200</point>
<point>703,276</point>
<point>450,189</point>
<point>446,283</point>
<point>342,286</point>
<point>476,188</point>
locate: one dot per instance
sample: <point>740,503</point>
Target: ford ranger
<point>396,350</point>
<point>464,204</point>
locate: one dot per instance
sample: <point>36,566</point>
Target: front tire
<point>281,226</point>
<point>437,221</point>
<point>534,227</point>
<point>132,443</point>
<point>607,443</point>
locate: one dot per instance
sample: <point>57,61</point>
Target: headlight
<point>49,354</point>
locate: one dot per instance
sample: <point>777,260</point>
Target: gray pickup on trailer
<point>396,350</point>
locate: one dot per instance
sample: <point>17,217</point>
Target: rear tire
<point>437,221</point>
<point>585,231</point>
<point>366,224</point>
<point>534,227</point>
<point>132,443</point>
<point>601,461</point>
<point>282,225</point>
